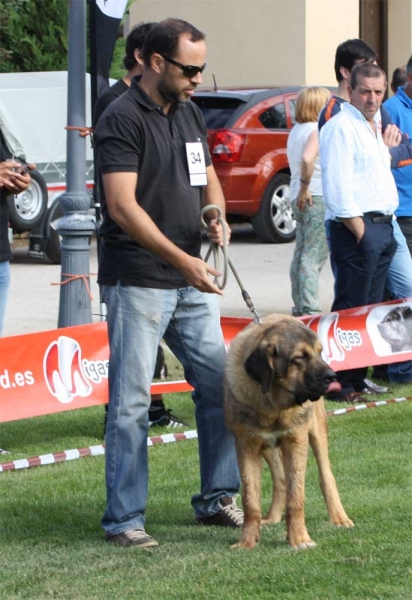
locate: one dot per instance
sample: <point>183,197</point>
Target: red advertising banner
<point>53,371</point>
<point>63,369</point>
<point>365,336</point>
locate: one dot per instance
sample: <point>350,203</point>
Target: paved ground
<point>263,269</point>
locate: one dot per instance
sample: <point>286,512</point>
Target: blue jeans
<point>399,283</point>
<point>4,290</point>
<point>189,322</point>
<point>399,278</point>
<point>405,224</point>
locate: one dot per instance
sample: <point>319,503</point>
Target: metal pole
<point>76,226</point>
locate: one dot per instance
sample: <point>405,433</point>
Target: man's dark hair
<point>365,69</point>
<point>349,53</point>
<point>164,38</point>
<point>135,41</point>
<point>409,66</point>
<point>398,78</point>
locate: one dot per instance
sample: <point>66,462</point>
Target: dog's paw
<point>248,544</point>
<point>270,521</point>
<point>300,540</point>
<point>303,545</point>
<point>344,523</point>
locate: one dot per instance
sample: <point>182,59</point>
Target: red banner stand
<point>63,369</point>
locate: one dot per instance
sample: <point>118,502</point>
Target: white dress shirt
<point>355,165</point>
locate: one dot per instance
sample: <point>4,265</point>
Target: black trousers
<point>360,276</point>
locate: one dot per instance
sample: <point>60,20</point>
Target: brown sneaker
<point>229,515</point>
<point>132,537</point>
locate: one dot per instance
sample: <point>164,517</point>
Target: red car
<point>247,135</point>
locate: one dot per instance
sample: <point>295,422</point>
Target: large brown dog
<point>274,381</point>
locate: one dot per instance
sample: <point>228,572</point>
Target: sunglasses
<point>188,71</point>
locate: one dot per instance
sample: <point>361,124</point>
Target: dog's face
<point>288,356</point>
<point>396,328</point>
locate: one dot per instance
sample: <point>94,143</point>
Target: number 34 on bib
<point>196,163</point>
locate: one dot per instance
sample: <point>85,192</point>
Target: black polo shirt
<point>135,135</point>
<point>107,97</point>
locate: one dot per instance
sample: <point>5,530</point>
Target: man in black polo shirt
<point>159,415</point>
<point>157,174</point>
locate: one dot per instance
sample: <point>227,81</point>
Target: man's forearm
<point>213,194</point>
<point>401,156</point>
<point>134,220</point>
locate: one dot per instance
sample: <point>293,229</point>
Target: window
<point>274,117</point>
<point>216,111</point>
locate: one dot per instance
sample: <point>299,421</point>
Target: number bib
<point>196,163</point>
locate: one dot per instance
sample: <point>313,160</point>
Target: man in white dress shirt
<point>361,196</point>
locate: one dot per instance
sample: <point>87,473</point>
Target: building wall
<point>275,42</point>
<point>328,23</point>
<point>263,42</point>
<point>400,33</point>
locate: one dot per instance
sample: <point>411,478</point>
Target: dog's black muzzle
<point>316,385</point>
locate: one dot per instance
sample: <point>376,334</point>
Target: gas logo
<point>64,372</point>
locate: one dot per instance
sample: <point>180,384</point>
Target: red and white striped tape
<point>48,459</point>
<point>342,411</point>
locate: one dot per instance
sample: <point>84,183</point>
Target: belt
<point>377,217</point>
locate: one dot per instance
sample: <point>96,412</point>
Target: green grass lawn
<point>52,546</point>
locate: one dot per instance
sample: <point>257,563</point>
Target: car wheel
<point>53,248</point>
<point>274,222</point>
<point>26,210</point>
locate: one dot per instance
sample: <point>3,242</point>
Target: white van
<point>33,117</point>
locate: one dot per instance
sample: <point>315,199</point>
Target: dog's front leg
<point>273,458</point>
<point>295,454</point>
<point>250,466</point>
<point>318,439</point>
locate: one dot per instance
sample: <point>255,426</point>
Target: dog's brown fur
<point>274,379</point>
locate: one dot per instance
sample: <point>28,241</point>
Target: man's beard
<point>169,94</point>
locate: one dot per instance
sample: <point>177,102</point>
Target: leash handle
<point>214,248</point>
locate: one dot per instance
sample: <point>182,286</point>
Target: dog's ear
<point>260,365</point>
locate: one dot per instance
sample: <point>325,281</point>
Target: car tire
<point>274,223</point>
<point>53,248</point>
<point>26,210</point>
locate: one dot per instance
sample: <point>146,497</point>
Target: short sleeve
<point>117,141</point>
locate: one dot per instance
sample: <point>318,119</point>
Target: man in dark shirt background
<point>11,182</point>
<point>133,63</point>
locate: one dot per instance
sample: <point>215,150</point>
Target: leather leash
<point>227,263</point>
